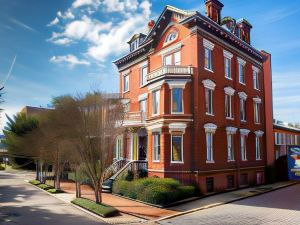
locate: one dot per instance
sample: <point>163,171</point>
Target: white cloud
<point>104,39</point>
<point>71,60</point>
<point>53,22</point>
<point>67,15</point>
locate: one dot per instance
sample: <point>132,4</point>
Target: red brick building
<point>195,90</point>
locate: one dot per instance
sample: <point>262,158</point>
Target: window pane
<point>143,106</point>
<point>209,146</point>
<point>168,60</point>
<point>156,147</point>
<point>155,102</point>
<point>258,148</point>
<point>209,100</point>
<point>241,73</point>
<point>177,100</point>
<point>227,67</point>
<point>144,73</point>
<point>126,83</point>
<point>207,62</point>
<point>177,58</point>
<point>176,149</point>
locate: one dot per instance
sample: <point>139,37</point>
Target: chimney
<point>213,10</point>
<point>243,30</point>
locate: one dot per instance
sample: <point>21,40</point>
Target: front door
<point>142,133</point>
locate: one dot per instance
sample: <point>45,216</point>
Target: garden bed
<point>99,209</point>
<point>45,187</point>
<point>157,191</point>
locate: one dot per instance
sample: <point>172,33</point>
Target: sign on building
<point>294,162</point>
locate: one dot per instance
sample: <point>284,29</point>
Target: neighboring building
<point>195,91</point>
<point>285,135</point>
<point>33,111</point>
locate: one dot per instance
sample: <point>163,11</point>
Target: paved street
<point>278,207</point>
<point>23,204</point>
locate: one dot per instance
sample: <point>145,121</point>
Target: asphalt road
<point>273,208</point>
<point>23,204</point>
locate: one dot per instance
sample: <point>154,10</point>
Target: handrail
<point>114,168</point>
<point>131,166</point>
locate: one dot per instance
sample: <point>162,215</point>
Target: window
<point>209,101</point>
<point>243,148</point>
<point>126,83</point>
<point>118,148</point>
<point>257,148</point>
<point>177,153</point>
<point>230,149</point>
<point>143,106</point>
<point>156,147</point>
<point>171,37</point>
<point>134,45</point>
<point>209,147</point>
<point>243,109</point>
<point>227,63</point>
<point>241,73</point>
<point>155,102</point>
<point>256,112</point>
<point>177,100</point>
<point>209,184</point>
<point>208,59</point>
<point>173,59</point>
<point>143,77</point>
<point>228,106</point>
<point>255,80</point>
<point>230,181</point>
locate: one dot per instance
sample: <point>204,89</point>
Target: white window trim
<point>231,131</point>
<point>209,84</point>
<point>257,147</point>
<point>245,147</point>
<point>169,42</point>
<point>243,63</point>
<point>177,127</point>
<point>208,44</point>
<point>227,54</point>
<point>210,128</point>
<point>182,103</point>
<point>143,97</point>
<point>154,133</point>
<point>243,95</point>
<point>158,110</point>
<point>177,162</point>
<point>142,66</point>
<point>229,78</point>
<point>123,76</point>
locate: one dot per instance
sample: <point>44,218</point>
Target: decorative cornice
<point>155,127</point>
<point>155,86</point>
<point>259,133</point>
<point>231,130</point>
<point>241,61</point>
<point>209,84</point>
<point>244,132</point>
<point>229,91</point>
<point>210,128</point>
<point>177,127</point>
<point>243,95</point>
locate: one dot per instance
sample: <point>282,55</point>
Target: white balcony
<point>170,71</point>
<point>135,119</point>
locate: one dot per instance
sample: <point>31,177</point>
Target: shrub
<point>99,209</point>
<point>152,190</point>
<point>2,167</point>
<point>129,176</point>
<point>45,186</point>
<point>35,182</point>
<point>55,191</point>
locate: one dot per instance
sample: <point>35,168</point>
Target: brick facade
<point>194,123</point>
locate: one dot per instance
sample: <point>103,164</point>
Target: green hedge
<point>55,191</point>
<point>35,182</point>
<point>160,191</point>
<point>99,209</point>
<point>2,167</point>
<point>45,186</point>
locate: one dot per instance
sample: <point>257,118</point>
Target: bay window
<point>177,100</point>
<point>177,148</point>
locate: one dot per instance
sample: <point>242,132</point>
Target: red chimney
<point>213,10</point>
<point>243,30</point>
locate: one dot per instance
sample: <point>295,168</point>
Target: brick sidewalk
<point>122,204</point>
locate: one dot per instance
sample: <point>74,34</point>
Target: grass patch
<point>159,191</point>
<point>55,191</point>
<point>45,186</point>
<point>35,182</point>
<point>99,209</point>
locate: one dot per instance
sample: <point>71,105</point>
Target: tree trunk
<point>37,170</point>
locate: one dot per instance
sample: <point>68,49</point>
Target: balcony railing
<point>135,118</point>
<point>170,70</point>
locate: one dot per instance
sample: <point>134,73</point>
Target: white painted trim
<point>177,127</point>
<point>254,68</point>
<point>177,83</point>
<point>244,132</point>
<point>155,86</point>
<point>209,84</point>
<point>229,91</point>
<point>155,128</point>
<point>170,49</point>
<point>143,64</point>
<point>143,97</point>
<point>259,133</point>
<point>243,95</point>
<point>210,128</point>
<point>227,54</point>
<point>208,44</point>
<point>231,130</point>
<point>257,100</point>
<point>241,61</point>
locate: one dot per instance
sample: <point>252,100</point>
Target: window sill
<point>228,78</point>
<point>177,113</point>
<point>242,83</point>
<point>229,118</point>
<point>153,115</point>
<point>155,161</point>
<point>232,160</point>
<point>124,92</point>
<point>257,123</point>
<point>177,162</point>
<point>244,121</point>
<point>210,162</point>
<point>256,89</point>
<point>209,70</point>
<point>244,160</point>
<point>258,159</point>
<point>209,114</point>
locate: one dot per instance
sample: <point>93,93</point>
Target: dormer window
<point>136,41</point>
<point>134,45</point>
<point>171,37</point>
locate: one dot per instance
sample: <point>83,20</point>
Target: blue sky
<point>67,47</point>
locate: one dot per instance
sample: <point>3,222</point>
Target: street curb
<point>78,207</point>
<point>222,203</point>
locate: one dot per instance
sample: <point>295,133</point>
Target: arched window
<point>171,37</point>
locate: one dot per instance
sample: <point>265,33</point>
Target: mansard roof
<point>191,19</point>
